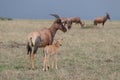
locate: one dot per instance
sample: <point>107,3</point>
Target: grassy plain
<point>90,53</point>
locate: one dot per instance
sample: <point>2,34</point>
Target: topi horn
<point>55,15</point>
<point>107,13</point>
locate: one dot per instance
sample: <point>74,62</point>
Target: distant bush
<point>3,18</point>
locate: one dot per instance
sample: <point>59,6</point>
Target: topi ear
<point>58,20</point>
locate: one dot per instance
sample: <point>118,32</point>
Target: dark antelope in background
<point>68,21</point>
<point>76,20</point>
<point>101,20</point>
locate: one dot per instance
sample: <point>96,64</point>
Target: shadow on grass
<point>11,44</point>
<point>19,67</point>
<point>7,67</point>
<point>90,26</point>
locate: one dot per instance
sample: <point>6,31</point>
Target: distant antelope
<point>101,20</point>
<point>51,51</point>
<point>43,37</point>
<point>77,20</point>
<point>68,21</point>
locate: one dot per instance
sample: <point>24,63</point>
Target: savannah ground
<point>91,53</point>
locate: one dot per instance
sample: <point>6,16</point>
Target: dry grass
<point>87,53</point>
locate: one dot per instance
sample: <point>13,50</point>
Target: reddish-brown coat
<point>51,50</point>
<point>42,37</point>
<point>101,20</point>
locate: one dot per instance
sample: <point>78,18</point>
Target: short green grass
<point>89,53</point>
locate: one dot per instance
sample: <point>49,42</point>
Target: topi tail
<point>29,47</point>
